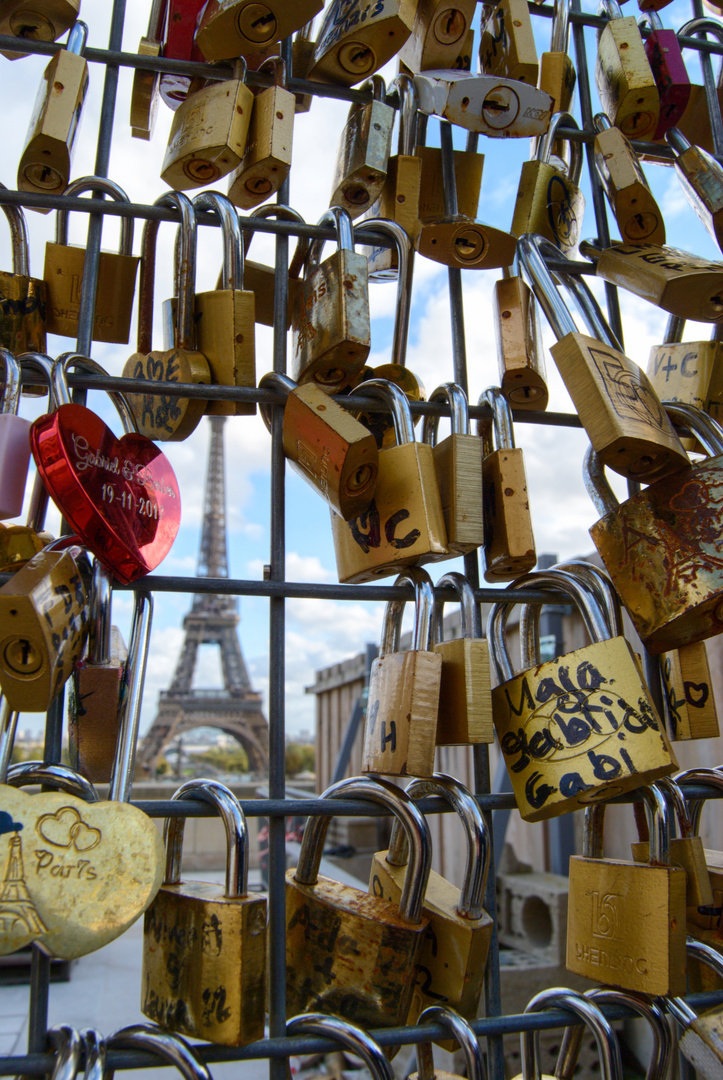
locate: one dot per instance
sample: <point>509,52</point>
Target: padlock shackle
<point>398,404</point>
<point>156,19</point>
<point>560,32</point>
<point>129,715</point>
<point>340,219</point>
<point>547,141</point>
<point>175,200</point>
<point>461,1032</point>
<point>44,364</point>
<point>674,330</point>
<point>704,954</point>
<point>596,484</point>
<point>67,1043</point>
<point>712,777</point>
<point>283,213</point>
<point>467,605</point>
<point>611,1066</point>
<point>109,187</point>
<point>99,620</point>
<point>273,380</point>
<point>12,383</point>
<point>458,411</point>
<point>18,238</point>
<point>405,257</point>
<point>650,1011</point>
<point>707,430</point>
<point>229,810</point>
<point>413,821</point>
<point>95,1054</point>
<point>62,777</point>
<point>8,728</point>
<point>277,64</point>
<point>652,19</point>
<point>498,433</point>
<point>656,809</point>
<point>674,793</point>
<point>423,632</point>
<point>408,99</point>
<point>77,40</point>
<point>601,122</point>
<point>164,1044</point>
<point>600,585</point>
<point>675,138</point>
<point>232,267</point>
<point>472,893</point>
<point>61,392</point>
<point>354,1038</point>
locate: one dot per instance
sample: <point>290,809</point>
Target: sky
<point>321,632</point>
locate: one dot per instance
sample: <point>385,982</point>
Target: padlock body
<point>204,963</point>
<point>557,77</point>
<point>636,211</point>
<point>509,544</point>
<point>398,201</point>
<point>687,853</point>
<point>259,280</point>
<point>362,157</point>
<point>548,204</point>
<point>266,159</point>
<point>489,104</point>
<point>64,266</point>
<point>404,521</point>
<point>144,94</point>
<point>331,328</point>
<point>688,692</point>
<point>520,356</point>
<point>23,311</point>
<point>225,336</point>
<point>689,372</point>
<point>208,135</point>
<point>703,186</point>
<point>400,733</point>
<point>164,417</point>
<point>466,244</point>
<point>468,180</point>
<point>681,283</point>
<point>15,458</point>
<point>439,34</point>
<point>628,427</point>
<point>330,449</point>
<point>179,44</point>
<point>701,1044</point>
<point>230,28</point>
<point>458,464</point>
<point>348,50</point>
<point>465,716</point>
<point>666,62</point>
<point>453,957</point>
<point>93,712</point>
<point>348,954</point>
<point>626,925</point>
<point>18,544</point>
<point>507,44</point>
<point>32,20</point>
<point>44,615</point>
<point>625,83</point>
<point>562,755</point>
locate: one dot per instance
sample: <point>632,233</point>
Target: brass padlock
<point>617,406</point>
<point>145,92</point>
<point>326,445</point>
<point>404,522</point>
<point>626,921</point>
<point>158,416</point>
<point>607,1049</point>
<point>701,178</point>
<point>458,464</point>
<point>465,716</point>
<point>349,50</point>
<point>451,965</point>
<point>208,133</point>
<point>302,55</point>
<point>18,545</point>
<point>557,75</point>
<point>507,44</point>
<point>560,755</point>
<point>509,544</point>
<point>44,608</point>
<point>688,696</point>
<point>347,953</point>
<point>439,33</point>
<point>488,104</point>
<point>637,213</point>
<point>204,945</point>
<point>224,318</point>
<point>520,356</point>
<point>33,21</point>
<point>701,1040</point>
<point>549,201</point>
<point>403,701</point>
<point>669,579</point>
<point>23,299</point>
<point>116,285</point>
<point>625,83</point>
<point>261,280</point>
<point>330,322</point>
<point>267,157</point>
<point>362,154</point>
<point>688,372</point>
<point>704,922</point>
<point>468,167</point>
<point>230,28</point>
<point>46,159</point>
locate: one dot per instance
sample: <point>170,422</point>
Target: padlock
<point>701,178</point>
<point>666,62</point>
<point>18,545</point>
<point>461,1033</point>
<point>348,50</point>
<point>208,133</point>
<point>97,688</point>
<point>362,154</point>
<point>617,406</point>
<point>34,21</point>
<point>458,465</point>
<point>266,159</point>
<point>451,965</point>
<point>224,318</point>
<point>179,43</point>
<point>520,356</point>
<point>326,446</point>
<point>465,716</point>
<point>330,322</point>
<point>63,273</point>
<point>204,946</point>
<point>45,162</point>
<point>704,922</point>
<point>626,921</point>
<point>347,953</point>
<point>488,104</point>
<point>158,416</point>
<point>549,201</point>
<point>695,121</point>
<point>172,1049</point>
<point>14,441</point>
<point>688,373</point>
<point>261,280</point>
<point>44,609</point>
<point>353,1038</point>
<point>509,545</point>
<point>686,850</point>
<point>636,212</point>
<point>557,75</point>
<point>120,496</point>
<point>688,696</point>
<point>403,700</point>
<point>624,80</point>
<point>544,714</point>
<point>439,33</point>
<point>302,55</point>
<point>23,299</point>
<point>607,1058</point>
<point>146,84</point>
<point>231,28</point>
<point>662,547</point>
<point>507,44</point>
<point>468,166</point>
<point>701,1038</point>
<point>677,281</point>
<point>404,522</point>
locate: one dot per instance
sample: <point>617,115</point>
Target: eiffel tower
<point>16,907</point>
<point>212,620</point>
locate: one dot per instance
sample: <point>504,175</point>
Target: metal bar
<point>454,274</point>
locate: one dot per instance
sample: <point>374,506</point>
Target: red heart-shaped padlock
<point>120,495</point>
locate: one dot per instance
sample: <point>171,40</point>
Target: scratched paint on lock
<point>562,212</point>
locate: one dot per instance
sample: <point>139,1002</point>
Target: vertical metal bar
<point>456,305</point>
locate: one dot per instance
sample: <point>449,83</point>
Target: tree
<point>299,758</point>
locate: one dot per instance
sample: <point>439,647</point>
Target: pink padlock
<point>14,441</point>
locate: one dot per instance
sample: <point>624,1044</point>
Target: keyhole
<point>449,26</point>
<point>257,23</point>
<point>356,57</point>
<point>22,657</point>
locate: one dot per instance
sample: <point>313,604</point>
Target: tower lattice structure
<point>212,620</point>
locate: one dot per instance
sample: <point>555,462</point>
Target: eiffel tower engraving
<point>16,906</point>
<point>212,620</point>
